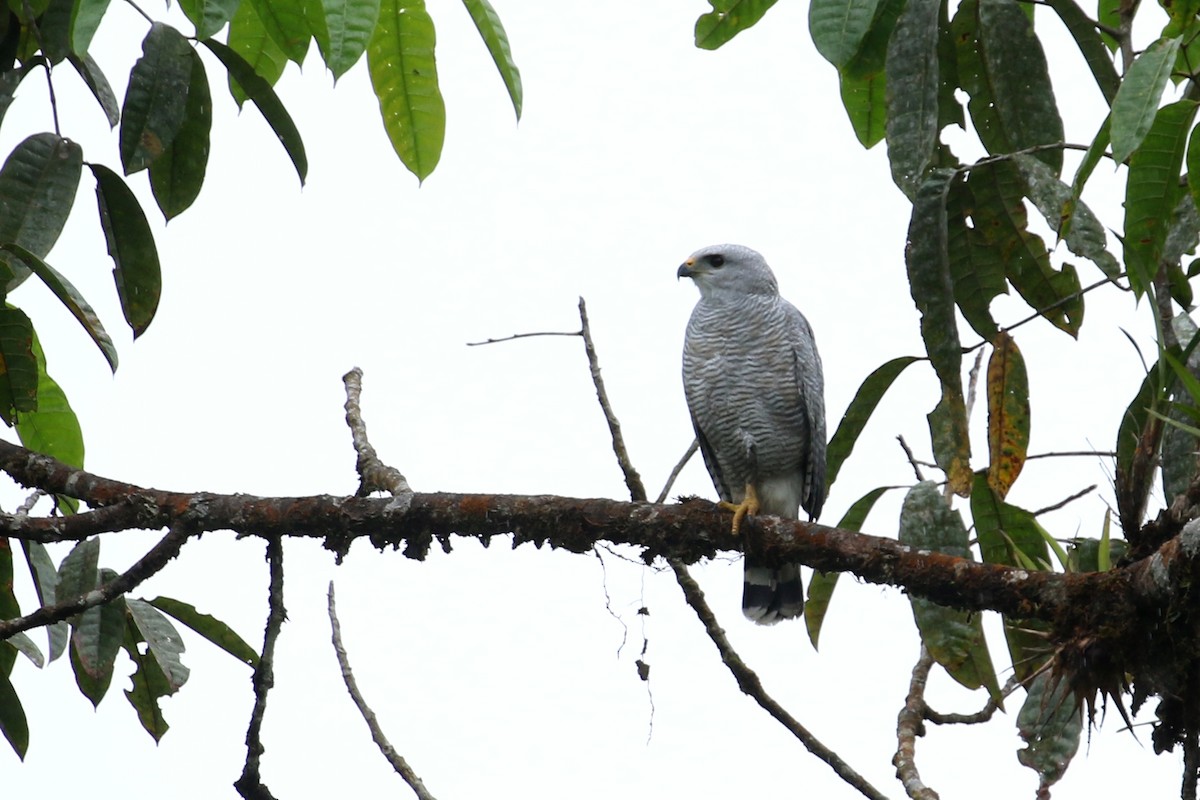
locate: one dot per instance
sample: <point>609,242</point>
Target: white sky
<point>498,673</point>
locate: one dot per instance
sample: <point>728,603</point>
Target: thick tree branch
<point>749,683</point>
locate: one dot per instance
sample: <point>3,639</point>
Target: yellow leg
<point>749,505</point>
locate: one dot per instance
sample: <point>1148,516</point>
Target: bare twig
<point>395,759</point>
<point>155,559</point>
<point>374,475</point>
<point>983,715</point>
<point>910,725</point>
<point>1076,453</point>
<point>750,684</point>
<point>1065,501</point>
<point>637,492</point>
<point>524,336</point>
<point>31,501</point>
<point>912,459</point>
<point>250,785</point>
<point>687,456</point>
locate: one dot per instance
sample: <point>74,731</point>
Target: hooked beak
<point>687,269</point>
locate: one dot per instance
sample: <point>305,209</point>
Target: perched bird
<point>754,387</point>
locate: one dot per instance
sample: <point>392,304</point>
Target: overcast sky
<point>502,673</point>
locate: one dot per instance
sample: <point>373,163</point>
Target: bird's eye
<point>716,260</point>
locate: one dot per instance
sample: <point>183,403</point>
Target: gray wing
<point>810,382</point>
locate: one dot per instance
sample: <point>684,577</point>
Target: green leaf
<point>209,627</point>
<point>1152,189</point>
<point>52,428</point>
<point>400,58</point>
<point>1138,439</point>
<point>342,29</point>
<point>9,607</point>
<point>954,638</point>
<point>149,683</point>
<point>10,81</point>
<point>177,175</point>
<point>13,724</point>
<point>284,22</point>
<point>1003,69</point>
<point>96,638</point>
<point>913,81</point>
<point>820,588</point>
<point>838,27</point>
<point>1094,51</point>
<point>263,96</point>
<point>859,411</point>
<point>70,297</point>
<point>37,189</point>
<point>24,645</point>
<point>1008,414</point>
<point>18,367</point>
<point>45,579</point>
<point>90,72</point>
<point>209,16</point>
<point>487,22</point>
<point>871,57</point>
<point>976,265</point>
<point>78,573</point>
<point>865,100</point>
<point>1108,14</point>
<point>727,19</point>
<point>28,11</point>
<point>1136,103</point>
<point>131,245</point>
<point>1050,723</point>
<point>248,38</point>
<point>85,19</point>
<point>1088,555</point>
<point>1054,199</point>
<point>54,30</point>
<point>929,277</point>
<point>165,643</point>
<point>156,99</point>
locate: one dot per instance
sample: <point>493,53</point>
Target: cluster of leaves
<point>95,637</point>
<point>164,126</point>
<point>903,66</point>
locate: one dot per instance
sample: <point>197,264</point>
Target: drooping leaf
<point>24,645</point>
<point>131,244</point>
<point>400,57</point>
<point>9,607</point>
<point>45,580</point>
<point>209,627</point>
<point>85,19</point>
<point>925,255</point>
<point>54,30</point>
<point>487,22</point>
<point>976,264</point>
<point>865,100</point>
<point>1008,414</point>
<point>18,367</point>
<point>156,99</point>
<point>11,79</point>
<point>1179,447</point>
<point>1094,51</point>
<point>1138,438</point>
<point>13,724</point>
<point>259,91</point>
<point>913,81</point>
<point>838,27</point>
<point>37,189</point>
<point>78,573</point>
<point>209,16</point>
<point>1050,723</point>
<point>70,297</point>
<point>951,439</point>
<point>90,72</point>
<point>149,684</point>
<point>341,29</point>
<point>284,22</point>
<point>177,175</point>
<point>954,638</point>
<point>822,584</point>
<point>248,38</point>
<point>1136,103</point>
<point>727,19</point>
<point>1152,189</point>
<point>164,642</point>
<point>96,638</point>
<point>1053,198</point>
<point>871,57</point>
<point>52,429</point>
<point>1003,69</point>
<point>859,411</point>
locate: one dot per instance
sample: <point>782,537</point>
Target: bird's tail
<point>770,594</point>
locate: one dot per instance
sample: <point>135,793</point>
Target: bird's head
<point>729,270</point>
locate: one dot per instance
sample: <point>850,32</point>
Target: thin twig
<point>155,559</point>
<point>637,492</point>
<point>524,336</point>
<point>395,759</point>
<point>31,501</point>
<point>910,725</point>
<point>973,383</point>
<point>912,459</point>
<point>1061,503</point>
<point>750,684</point>
<point>373,474</point>
<point>250,785</point>
<point>1074,453</point>
<point>983,715</point>
<point>687,456</point>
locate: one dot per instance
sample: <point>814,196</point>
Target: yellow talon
<point>749,505</point>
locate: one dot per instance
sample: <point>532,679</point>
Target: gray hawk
<point>753,381</point>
